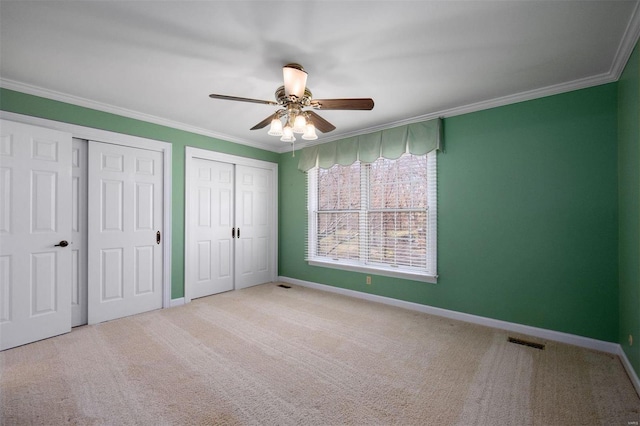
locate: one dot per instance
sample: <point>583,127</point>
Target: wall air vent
<point>526,343</point>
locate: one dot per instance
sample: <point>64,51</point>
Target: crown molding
<point>482,105</point>
<point>112,109</point>
<point>627,44</point>
<point>451,112</point>
<point>624,51</point>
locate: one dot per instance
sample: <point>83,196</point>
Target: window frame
<point>404,272</point>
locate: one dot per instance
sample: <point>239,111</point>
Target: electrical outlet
<point>630,340</point>
<point>368,279</point>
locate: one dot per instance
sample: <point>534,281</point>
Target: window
<point>378,217</point>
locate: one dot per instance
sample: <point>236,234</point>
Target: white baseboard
<point>629,368</point>
<point>176,302</point>
<point>556,336</point>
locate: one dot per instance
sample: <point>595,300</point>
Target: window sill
<point>387,272</point>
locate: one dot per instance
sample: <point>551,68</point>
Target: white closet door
<point>254,207</point>
<point>125,217</point>
<point>210,262</point>
<point>35,219</point>
<point>79,233</point>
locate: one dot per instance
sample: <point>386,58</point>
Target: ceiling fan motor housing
<point>284,99</point>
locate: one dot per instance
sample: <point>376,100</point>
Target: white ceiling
<point>158,61</point>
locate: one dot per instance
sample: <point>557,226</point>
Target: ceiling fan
<point>297,105</point>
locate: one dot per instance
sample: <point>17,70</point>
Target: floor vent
<point>284,286</point>
<point>526,343</point>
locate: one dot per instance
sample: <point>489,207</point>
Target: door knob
<point>62,243</point>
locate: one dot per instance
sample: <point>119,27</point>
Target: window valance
<point>415,138</point>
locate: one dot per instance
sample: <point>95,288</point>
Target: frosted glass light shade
<point>299,124</point>
<point>287,134</point>
<point>295,80</point>
<point>276,127</point>
<point>310,132</point>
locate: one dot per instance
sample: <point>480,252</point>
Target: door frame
<point>105,136</point>
<point>192,153</point>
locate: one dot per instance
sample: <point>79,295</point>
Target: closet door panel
<point>125,218</point>
<point>254,198</point>
<point>35,229</point>
<point>210,226</point>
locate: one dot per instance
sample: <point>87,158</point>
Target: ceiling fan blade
<point>236,98</point>
<point>349,103</point>
<point>321,124</point>
<point>264,122</point>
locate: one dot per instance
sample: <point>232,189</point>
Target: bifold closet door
<point>211,227</point>
<point>35,233</point>
<point>125,223</point>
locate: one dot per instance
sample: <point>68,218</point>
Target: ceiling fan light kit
<point>292,98</point>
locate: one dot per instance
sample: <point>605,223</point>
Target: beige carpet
<point>275,356</point>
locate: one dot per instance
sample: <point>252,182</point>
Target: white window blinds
<point>378,216</point>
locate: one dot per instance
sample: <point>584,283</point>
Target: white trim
<point>192,153</point>
<point>385,272</point>
<point>624,51</point>
<point>556,336</point>
<point>432,202</point>
<point>124,112</point>
<point>176,302</point>
<point>629,368</point>
<point>89,133</point>
<point>479,106</point>
<point>427,274</point>
<point>625,48</point>
<point>627,44</point>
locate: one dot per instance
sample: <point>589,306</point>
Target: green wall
<point>53,110</point>
<point>527,217</point>
<point>528,211</point>
<point>629,206</point>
